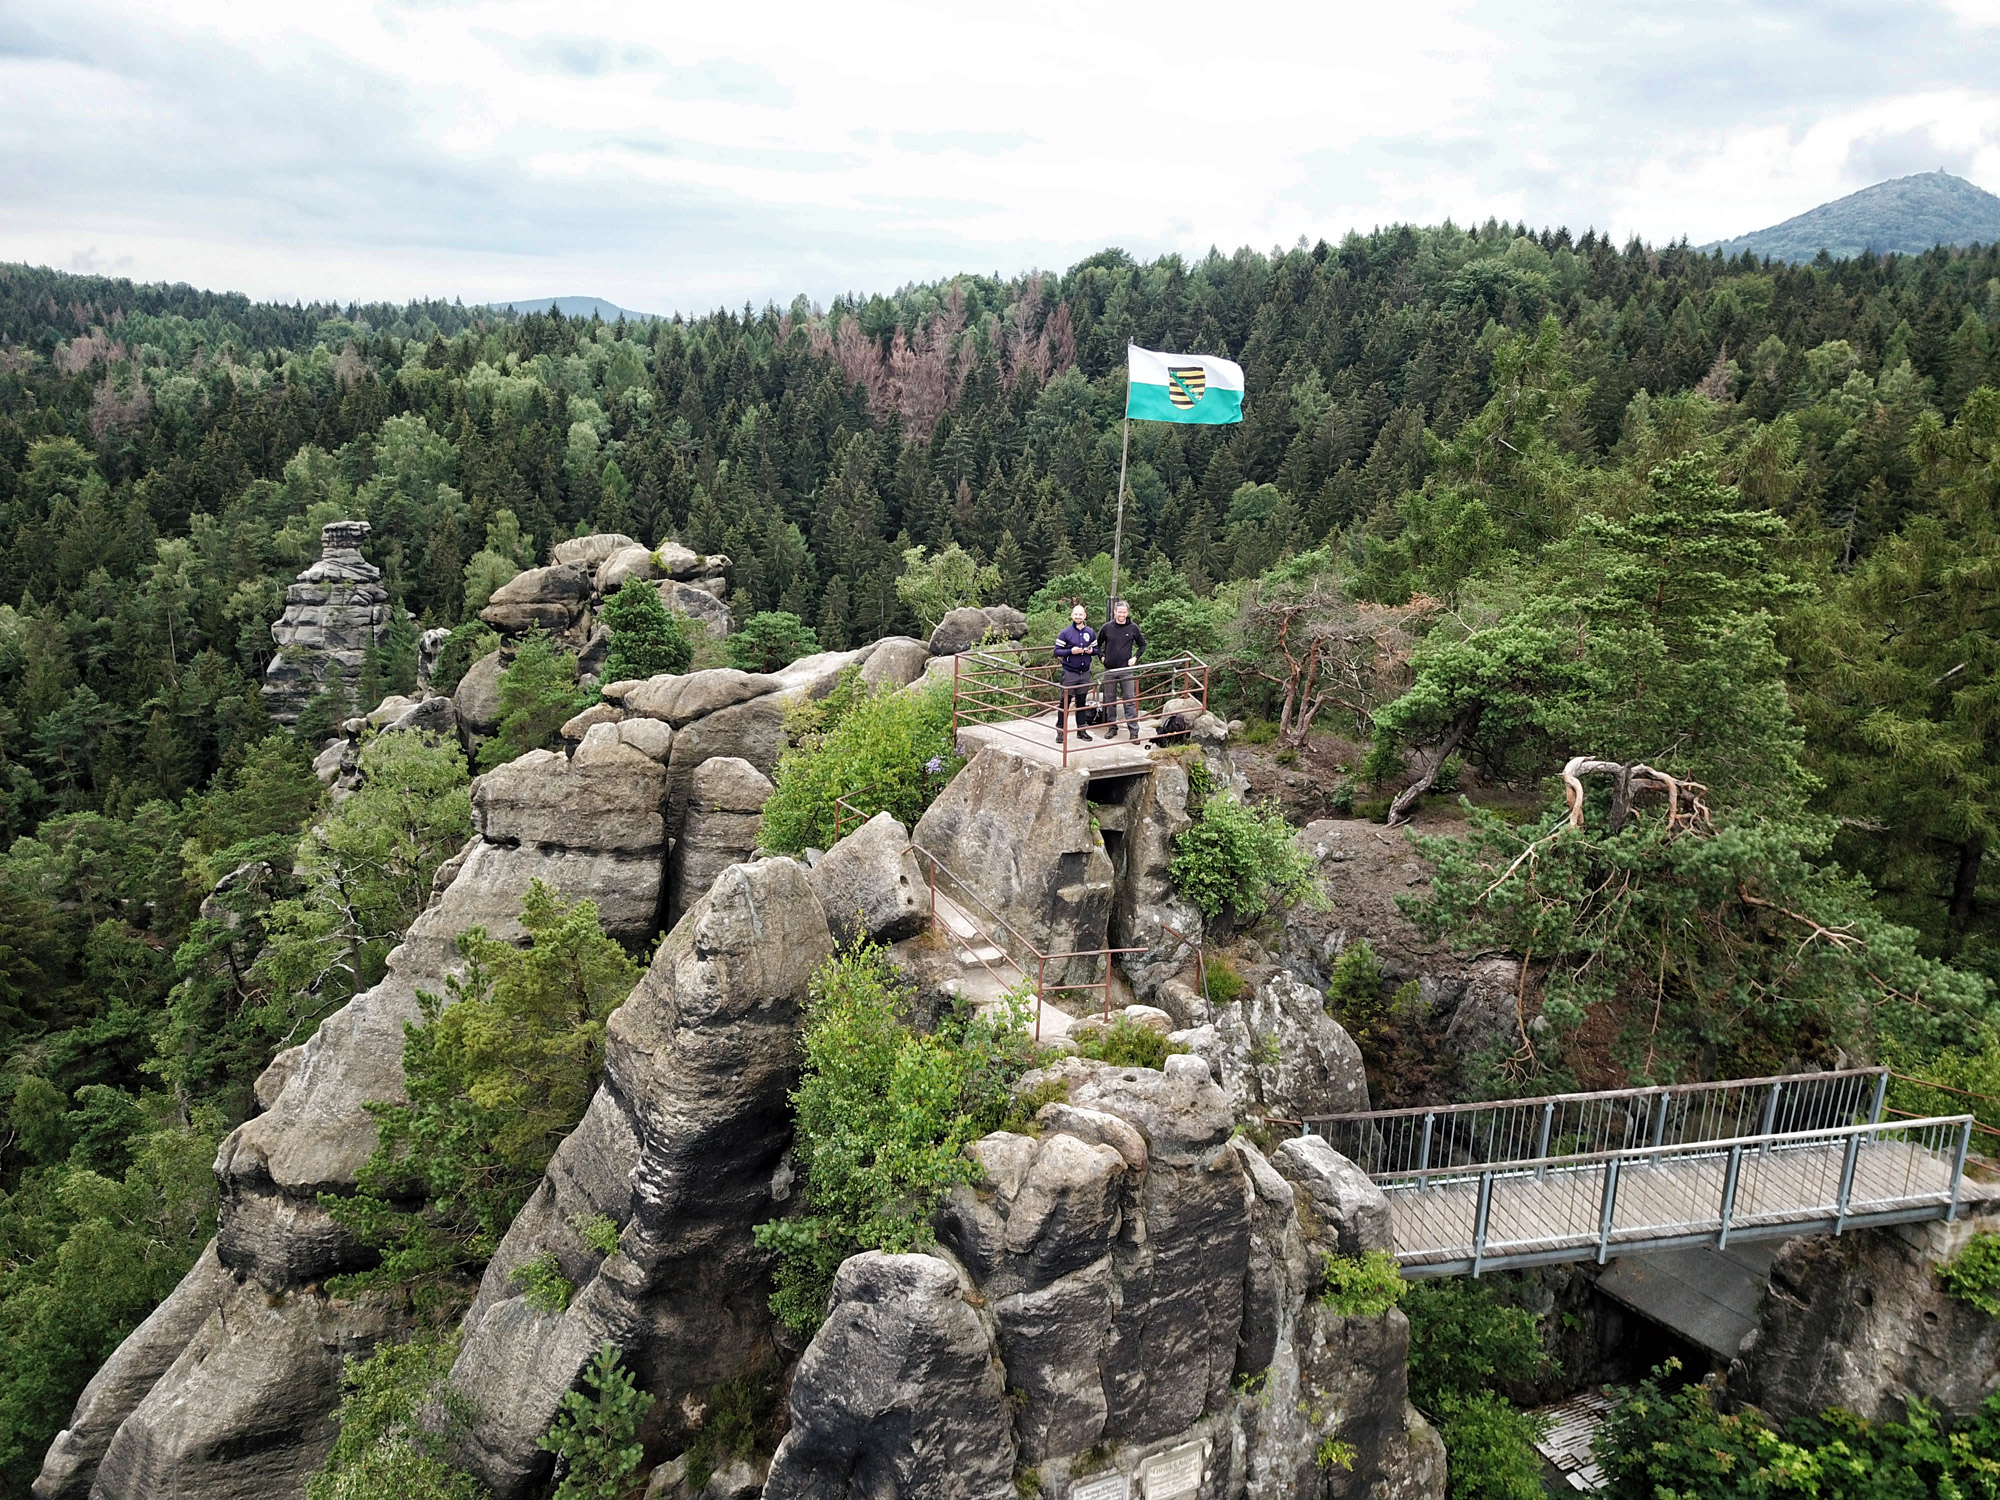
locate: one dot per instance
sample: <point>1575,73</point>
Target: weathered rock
<point>1147,913</point>
<point>697,604</point>
<point>587,553</point>
<point>1860,1321</point>
<point>123,1380</point>
<point>334,612</point>
<point>1279,1053</point>
<point>681,562</point>
<point>870,884</point>
<point>753,730</point>
<point>626,563</point>
<point>1350,1215</point>
<point>432,716</point>
<point>895,662</point>
<point>246,1410</point>
<point>386,711</point>
<point>962,629</point>
<point>598,713</point>
<point>478,696</point>
<point>699,1062</point>
<point>608,800</point>
<point>430,646</point>
<point>681,700</point>
<point>725,813</point>
<point>898,1394</point>
<point>1020,835</point>
<point>550,598</point>
<point>814,676</point>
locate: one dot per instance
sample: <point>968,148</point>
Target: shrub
<point>543,1285</point>
<point>740,1409</point>
<point>933,587</point>
<point>769,641</point>
<point>537,694</point>
<point>1662,1442</point>
<point>1225,985</point>
<point>883,1115</point>
<point>599,1231</point>
<point>1973,1275</point>
<point>384,1452</point>
<point>1127,1044</point>
<point>464,646</point>
<point>495,1081</point>
<point>1364,1286</point>
<point>595,1437</point>
<point>1259,732</point>
<point>879,751</point>
<point>1490,1448</point>
<point>1241,859</point>
<point>1354,993</point>
<point>646,636</point>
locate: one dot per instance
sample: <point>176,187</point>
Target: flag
<point>1182,387</point>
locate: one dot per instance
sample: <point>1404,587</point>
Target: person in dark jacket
<point>1074,649</point>
<point>1119,643</point>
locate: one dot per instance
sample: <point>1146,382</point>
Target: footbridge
<point>1583,1177</point>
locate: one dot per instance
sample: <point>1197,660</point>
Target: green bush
<point>464,646</point>
<point>538,693</point>
<point>1259,732</point>
<point>770,640</point>
<point>595,1437</point>
<point>1241,859</point>
<point>384,1452</point>
<point>1225,985</point>
<point>878,752</point>
<point>1127,1044</point>
<point>1490,1448</point>
<point>495,1080</point>
<point>1364,1286</point>
<point>1664,1442</point>
<point>646,636</point>
<point>884,1113</point>
<point>1465,1337</point>
<point>543,1285</point>
<point>1354,993</point>
<point>1973,1275</point>
<point>740,1409</point>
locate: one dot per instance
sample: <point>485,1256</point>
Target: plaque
<point>1175,1472</point>
<point>1102,1487</point>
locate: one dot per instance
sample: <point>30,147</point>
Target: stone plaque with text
<point>1175,1472</point>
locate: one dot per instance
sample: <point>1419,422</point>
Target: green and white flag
<point>1182,388</point>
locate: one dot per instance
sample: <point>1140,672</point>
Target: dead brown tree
<point>1321,648</point>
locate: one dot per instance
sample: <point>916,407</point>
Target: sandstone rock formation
<point>1279,1054</point>
<point>1020,835</point>
<point>680,1149</point>
<point>552,599</point>
<point>334,611</point>
<point>1141,1282</point>
<point>1861,1322</point>
<point>725,812</point>
<point>962,629</point>
<point>871,885</point>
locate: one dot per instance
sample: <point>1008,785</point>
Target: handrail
<point>1002,687</point>
<point>1042,960</point>
<point>1717,1147</point>
<point>1643,1092</point>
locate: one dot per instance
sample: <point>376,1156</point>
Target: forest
<point>1542,495</point>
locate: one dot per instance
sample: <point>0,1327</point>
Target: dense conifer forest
<point>1763,496</point>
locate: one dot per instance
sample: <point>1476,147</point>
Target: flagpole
<point>1124,448</point>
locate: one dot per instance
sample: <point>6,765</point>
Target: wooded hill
<point>1493,431</point>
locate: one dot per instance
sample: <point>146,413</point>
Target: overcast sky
<point>677,156</point>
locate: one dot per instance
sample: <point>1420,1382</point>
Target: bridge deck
<point>1556,1212</point>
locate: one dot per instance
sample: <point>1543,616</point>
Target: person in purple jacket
<point>1074,649</point>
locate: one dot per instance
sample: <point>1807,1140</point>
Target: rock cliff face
<point>1861,1321</point>
<point>1131,1289</point>
<point>334,611</point>
<point>1128,1291</point>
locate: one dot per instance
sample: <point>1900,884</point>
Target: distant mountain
<point>576,307</point>
<point>1908,215</point>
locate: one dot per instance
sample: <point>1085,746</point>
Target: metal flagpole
<point>1124,448</point>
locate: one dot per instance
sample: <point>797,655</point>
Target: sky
<point>673,158</point>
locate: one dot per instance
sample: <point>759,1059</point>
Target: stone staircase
<point>987,972</point>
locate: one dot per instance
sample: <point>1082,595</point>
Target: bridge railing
<point>1536,1211</point>
<point>1013,689</point>
<point>1423,1139</point>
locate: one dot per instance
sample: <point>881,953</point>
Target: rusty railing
<point>1018,691</point>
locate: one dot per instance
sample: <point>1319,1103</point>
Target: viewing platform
<point>1010,698</point>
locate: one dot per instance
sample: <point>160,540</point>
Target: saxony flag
<point>1182,387</point>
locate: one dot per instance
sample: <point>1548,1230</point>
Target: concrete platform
<point>1035,739</point>
<point>1709,1297</point>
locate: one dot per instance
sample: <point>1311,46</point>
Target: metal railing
<point>1414,1140</point>
<point>1565,1208</point>
<point>1522,1182</point>
<point>852,809</point>
<point>1016,951</point>
<point>1014,689</point>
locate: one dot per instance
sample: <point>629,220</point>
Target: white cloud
<point>675,157</point>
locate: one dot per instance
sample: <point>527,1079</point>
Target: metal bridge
<point>1572,1177</point>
